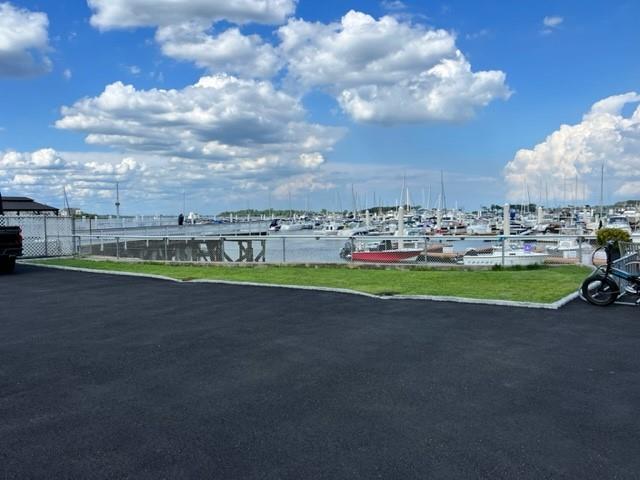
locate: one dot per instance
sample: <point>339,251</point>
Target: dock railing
<point>429,251</point>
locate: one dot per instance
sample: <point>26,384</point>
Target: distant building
<point>70,212</point>
<point>24,206</point>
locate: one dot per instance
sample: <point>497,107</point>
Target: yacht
<point>620,222</point>
<point>331,228</point>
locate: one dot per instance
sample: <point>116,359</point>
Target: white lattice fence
<point>43,236</point>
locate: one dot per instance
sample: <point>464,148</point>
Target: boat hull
<point>510,259</point>
<point>385,256</point>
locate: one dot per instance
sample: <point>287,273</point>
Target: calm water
<point>327,248</point>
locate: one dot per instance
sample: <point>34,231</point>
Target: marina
<point>506,236</point>
<point>406,235</point>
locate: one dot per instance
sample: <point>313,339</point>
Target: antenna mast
<point>117,199</point>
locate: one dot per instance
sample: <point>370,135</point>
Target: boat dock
<point>259,227</point>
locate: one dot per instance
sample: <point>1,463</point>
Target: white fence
<point>50,236</point>
<point>460,251</point>
<point>47,236</point>
<point>43,235</point>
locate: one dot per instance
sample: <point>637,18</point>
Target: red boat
<point>385,256</point>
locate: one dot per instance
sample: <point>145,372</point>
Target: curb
<point>107,272</point>
<point>433,298</point>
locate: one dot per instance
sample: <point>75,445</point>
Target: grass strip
<point>544,284</point>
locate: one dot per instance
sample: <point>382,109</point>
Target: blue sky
<point>557,59</point>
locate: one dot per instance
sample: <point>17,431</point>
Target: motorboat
<point>569,248</point>
<point>620,222</point>
<point>356,231</point>
<point>291,226</point>
<point>452,226</point>
<point>512,256</point>
<point>331,228</point>
<point>385,256</point>
<point>480,228</point>
<point>274,226</point>
<point>384,251</point>
<point>632,215</point>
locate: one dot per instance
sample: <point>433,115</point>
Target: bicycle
<point>601,289</point>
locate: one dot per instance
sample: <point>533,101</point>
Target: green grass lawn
<point>545,284</point>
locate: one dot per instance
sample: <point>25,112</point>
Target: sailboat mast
<point>353,200</point>
<point>443,197</point>
<point>66,200</point>
<point>546,194</point>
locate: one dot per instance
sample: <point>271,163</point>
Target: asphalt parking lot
<point>122,377</point>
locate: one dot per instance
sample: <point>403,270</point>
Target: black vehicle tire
<point>7,264</point>
<point>600,290</point>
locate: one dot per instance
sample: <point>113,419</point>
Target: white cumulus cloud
<point>226,121</point>
<point>385,70</point>
<point>229,51</point>
<point>154,184</point>
<point>604,136</point>
<point>24,42</point>
<point>184,30</point>
<point>388,71</point>
<point>302,185</point>
<point>43,173</point>
<point>111,14</point>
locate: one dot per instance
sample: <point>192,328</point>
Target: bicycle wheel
<point>600,290</point>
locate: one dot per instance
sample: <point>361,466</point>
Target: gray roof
<point>25,204</point>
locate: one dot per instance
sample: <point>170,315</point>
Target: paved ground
<point>113,377</point>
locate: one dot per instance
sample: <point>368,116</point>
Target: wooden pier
<point>180,250</point>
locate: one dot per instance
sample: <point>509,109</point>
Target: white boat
<point>618,221</point>
<point>480,228</point>
<point>331,228</point>
<point>512,257</point>
<point>632,215</point>
<point>569,248</point>
<point>356,231</point>
<point>291,226</point>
